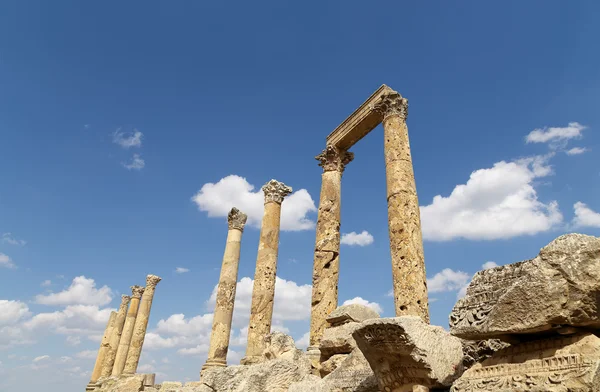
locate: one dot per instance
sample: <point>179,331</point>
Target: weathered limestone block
<point>477,351</point>
<point>557,364</point>
<point>129,383</point>
<point>332,363</point>
<point>406,351</point>
<point>557,289</point>
<point>310,383</point>
<point>280,345</point>
<point>337,337</point>
<point>171,386</point>
<point>351,313</point>
<point>354,374</point>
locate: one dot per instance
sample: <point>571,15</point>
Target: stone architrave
<point>221,328</point>
<point>404,222</point>
<point>121,357</point>
<point>326,261</point>
<point>103,348</point>
<point>555,291</point>
<point>557,364</point>
<point>263,291</point>
<point>406,353</point>
<point>140,326</point>
<point>113,342</point>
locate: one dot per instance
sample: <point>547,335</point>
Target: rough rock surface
<point>478,351</point>
<point>332,363</point>
<point>405,351</point>
<point>351,313</point>
<point>557,364</point>
<point>133,383</point>
<point>338,340</point>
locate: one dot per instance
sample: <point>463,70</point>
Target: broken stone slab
<point>557,289</point>
<point>332,363</point>
<point>280,345</point>
<point>354,374</point>
<point>355,313</point>
<point>338,340</point>
<point>479,350</point>
<point>171,386</point>
<point>128,383</point>
<point>557,364</point>
<point>405,352</point>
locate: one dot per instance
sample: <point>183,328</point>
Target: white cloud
<point>12,312</point>
<point>82,291</point>
<point>87,354</point>
<point>496,203</point>
<point>198,350</point>
<point>360,301</point>
<point>73,340</point>
<point>489,264</point>
<point>11,336</point>
<point>353,238</point>
<point>555,134</point>
<point>447,280</point>
<point>181,270</point>
<point>585,216</point>
<point>46,283</point>
<point>304,341</point>
<point>576,151</point>
<point>137,163</point>
<point>234,191</point>
<point>177,324</point>
<point>41,358</point>
<point>9,239</point>
<point>129,139</point>
<point>6,261</point>
<point>86,320</point>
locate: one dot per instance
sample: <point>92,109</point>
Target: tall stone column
<point>115,337</point>
<point>140,326</point>
<point>263,291</point>
<point>404,221</point>
<point>121,356</point>
<point>327,244</point>
<point>221,328</point>
<point>102,350</point>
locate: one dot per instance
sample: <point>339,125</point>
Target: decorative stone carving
<point>275,191</point>
<point>392,104</point>
<point>405,352</point>
<point>333,159</point>
<point>557,289</point>
<point>236,219</point>
<point>561,364</point>
<point>137,291</point>
<point>478,351</point>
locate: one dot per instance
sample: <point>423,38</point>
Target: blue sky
<point>114,117</point>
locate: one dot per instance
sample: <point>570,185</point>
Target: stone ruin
<point>531,326</point>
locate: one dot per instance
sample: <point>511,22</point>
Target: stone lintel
<point>359,123</point>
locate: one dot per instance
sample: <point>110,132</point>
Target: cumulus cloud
<point>8,238</point>
<point>360,301</point>
<point>304,341</point>
<point>87,320</point>
<point>556,136</point>
<point>576,151</point>
<point>82,291</point>
<point>489,264</point>
<point>12,312</point>
<point>447,280</point>
<point>41,358</point>
<point>128,139</point>
<point>496,203</point>
<point>73,340</point>
<point>6,261</point>
<point>87,354</point>
<point>359,239</point>
<point>585,216</point>
<point>234,191</point>
<point>46,283</point>
<point>136,163</point>
<point>181,270</point>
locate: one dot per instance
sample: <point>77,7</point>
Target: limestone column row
<point>327,244</point>
<point>115,337</point>
<point>121,356</point>
<point>263,291</point>
<point>223,314</point>
<point>97,371</point>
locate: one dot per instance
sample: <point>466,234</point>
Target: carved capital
<point>125,299</point>
<point>137,291</point>
<point>334,159</point>
<point>392,104</point>
<point>236,219</point>
<point>275,191</point>
<point>152,280</point>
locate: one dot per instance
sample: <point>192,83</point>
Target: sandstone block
<point>130,383</point>
<point>405,351</point>
<point>332,363</point>
<point>557,289</point>
<point>557,364</point>
<point>351,313</point>
<point>171,386</point>
<point>354,374</point>
<point>338,340</point>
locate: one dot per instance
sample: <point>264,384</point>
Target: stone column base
<point>212,364</point>
<point>91,386</point>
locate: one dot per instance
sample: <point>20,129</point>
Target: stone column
<point>139,328</point>
<point>327,245</point>
<point>263,291</point>
<point>121,356</point>
<point>404,222</point>
<point>102,350</point>
<point>221,328</point>
<point>115,337</point>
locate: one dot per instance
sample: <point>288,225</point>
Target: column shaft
<point>404,222</point>
<point>113,343</point>
<point>127,333</point>
<point>103,347</point>
<point>263,291</point>
<point>221,328</point>
<point>140,326</point>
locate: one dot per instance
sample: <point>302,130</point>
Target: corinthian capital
<point>393,104</point>
<point>137,291</point>
<point>125,299</point>
<point>152,280</point>
<point>275,191</point>
<point>334,159</point>
<point>236,219</point>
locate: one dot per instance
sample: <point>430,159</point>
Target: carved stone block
<point>557,289</point>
